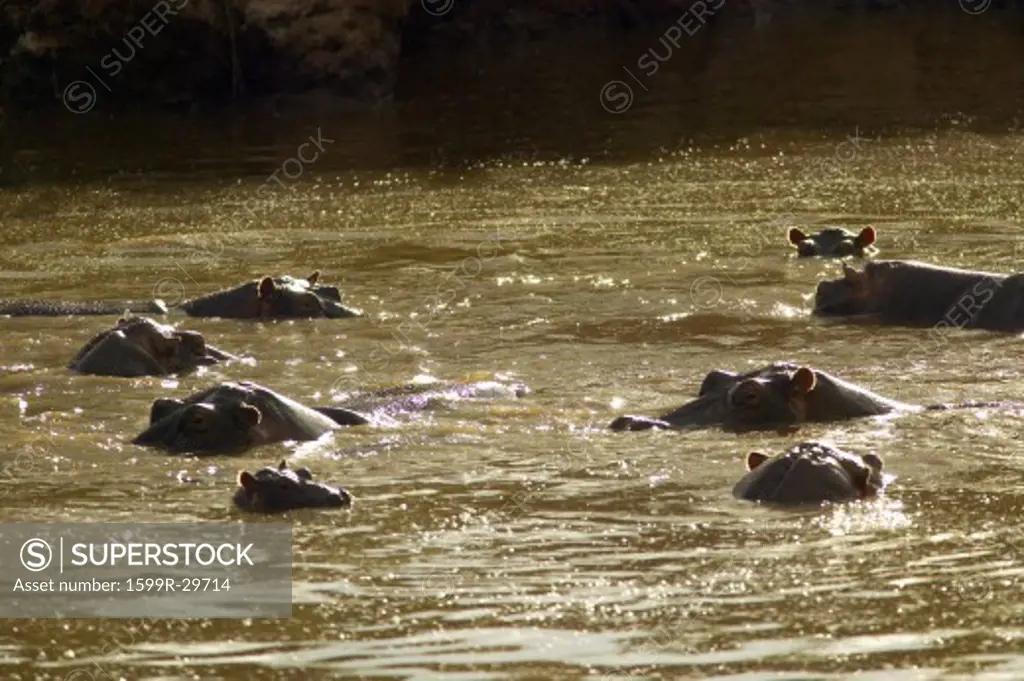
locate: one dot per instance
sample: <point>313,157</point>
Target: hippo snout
<point>636,423</point>
<point>159,434</point>
<point>807,249</point>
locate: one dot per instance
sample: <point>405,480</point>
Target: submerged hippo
<point>232,417</point>
<point>138,346</point>
<point>271,490</point>
<point>281,297</point>
<point>776,397</point>
<point>415,397</point>
<point>834,242</point>
<point>810,473</point>
<point>911,293</point>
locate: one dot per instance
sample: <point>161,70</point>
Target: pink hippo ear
<point>247,481</point>
<point>865,238</point>
<point>755,459</point>
<point>266,287</point>
<point>313,278</point>
<point>803,381</point>
<point>248,415</point>
<point>796,236</point>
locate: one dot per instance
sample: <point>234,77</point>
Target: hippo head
<point>833,242</point>
<point>139,346</point>
<point>289,298</point>
<point>231,417</point>
<point>849,296</point>
<point>270,490</point>
<point>203,427</point>
<point>772,398</point>
<point>810,473</point>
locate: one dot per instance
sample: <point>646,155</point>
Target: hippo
<point>810,473</point>
<point>909,293</point>
<point>230,418</point>
<point>413,397</point>
<point>139,346</point>
<point>834,242</point>
<point>281,297</point>
<point>273,490</point>
<point>780,396</point>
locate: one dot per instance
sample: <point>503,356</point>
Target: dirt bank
<point>179,53</point>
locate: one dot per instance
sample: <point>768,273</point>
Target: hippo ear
<point>247,481</point>
<point>865,238</point>
<point>853,275</point>
<point>248,415</point>
<point>162,407</point>
<point>716,380</point>
<point>283,466</point>
<point>873,461</point>
<point>796,235</point>
<point>266,287</point>
<point>303,473</point>
<point>803,381</point>
<point>755,459</point>
<point>313,278</point>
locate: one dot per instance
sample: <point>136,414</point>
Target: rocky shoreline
<point>175,53</point>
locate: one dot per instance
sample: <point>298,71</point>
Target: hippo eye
<point>745,397</point>
<point>197,422</point>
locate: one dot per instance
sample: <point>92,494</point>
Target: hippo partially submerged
<point>834,242</point>
<point>810,473</point>
<point>139,346</point>
<point>413,397</point>
<point>908,293</point>
<point>272,490</point>
<point>780,396</point>
<point>281,297</point>
<point>232,417</point>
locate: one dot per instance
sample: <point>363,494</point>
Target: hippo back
<point>919,294</point>
<point>833,399</point>
<point>241,302</point>
<point>283,417</point>
<point>415,397</point>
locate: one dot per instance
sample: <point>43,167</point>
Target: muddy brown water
<point>522,539</point>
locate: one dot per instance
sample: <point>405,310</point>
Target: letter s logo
<point>79,97</point>
<point>986,292</point>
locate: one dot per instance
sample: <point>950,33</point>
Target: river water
<point>609,262</point>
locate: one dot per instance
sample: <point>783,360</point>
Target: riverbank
<point>189,54</point>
